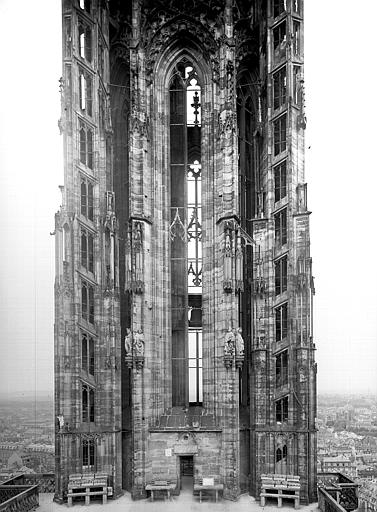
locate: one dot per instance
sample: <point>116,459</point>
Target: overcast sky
<point>341,170</point>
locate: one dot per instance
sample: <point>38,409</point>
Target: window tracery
<point>186,233</point>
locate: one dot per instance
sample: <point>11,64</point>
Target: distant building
<point>18,460</point>
<point>338,464</point>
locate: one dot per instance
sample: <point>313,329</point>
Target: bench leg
<point>200,496</point>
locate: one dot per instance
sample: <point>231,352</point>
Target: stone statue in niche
<point>139,343</point>
<point>240,345</point>
<point>239,264</point>
<point>229,343</point>
<point>60,419</point>
<point>228,260</point>
<point>128,342</point>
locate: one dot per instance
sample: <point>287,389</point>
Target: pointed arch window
<point>87,250</point>
<point>87,199</point>
<point>85,89</point>
<point>87,404</point>
<point>87,302</point>
<point>86,144</point>
<point>87,353</point>
<point>85,42</point>
<point>186,233</point>
<point>88,453</point>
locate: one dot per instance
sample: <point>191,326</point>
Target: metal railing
<point>18,498</point>
<point>45,481</point>
<point>336,492</point>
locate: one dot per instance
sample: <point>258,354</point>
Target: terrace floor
<point>185,502</point>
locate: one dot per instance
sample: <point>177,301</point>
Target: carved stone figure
<point>128,342</point>
<point>60,418</point>
<point>139,343</point>
<point>229,343</point>
<point>240,345</point>
<point>227,260</point>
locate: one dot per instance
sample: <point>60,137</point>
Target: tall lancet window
<point>186,235</point>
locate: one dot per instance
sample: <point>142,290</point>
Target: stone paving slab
<point>185,502</point>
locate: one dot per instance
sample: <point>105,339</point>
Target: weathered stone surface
<point>117,189</point>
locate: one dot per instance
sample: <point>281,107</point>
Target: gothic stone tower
<point>183,335</point>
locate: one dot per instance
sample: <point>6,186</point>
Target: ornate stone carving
<point>134,259</point>
<point>167,31</point>
<point>302,375</point>
<point>239,265</point>
<point>226,123</point>
<point>177,228</point>
<point>138,343</point>
<point>134,348</point>
<point>140,127</point>
<point>240,345</point>
<point>128,342</point>
<point>227,283</point>
<point>229,343</point>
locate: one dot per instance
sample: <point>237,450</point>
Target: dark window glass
<point>87,302</point>
<point>88,453</point>
<point>91,305</point>
<point>87,199</point>
<point>281,409</point>
<point>84,198</point>
<point>84,301</point>
<point>296,38</point>
<point>87,354</point>
<point>280,36</point>
<point>89,156</point>
<point>85,400</point>
<point>280,88</point>
<point>281,275</point>
<point>280,174</point>
<point>82,145</point>
<point>87,404</point>
<point>91,356</point>
<point>280,6</point>
<point>281,227</point>
<point>281,453</point>
<point>87,248</point>
<point>280,135</point>
<point>91,405</point>
<point>281,322</point>
<point>282,369</point>
<point>90,201</point>
<point>84,352</point>
<point>86,145</point>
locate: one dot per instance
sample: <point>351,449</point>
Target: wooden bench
<point>87,485</point>
<point>163,486</point>
<point>208,484</point>
<point>280,487</point>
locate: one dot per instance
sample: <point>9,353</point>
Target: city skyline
<point>340,194</point>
